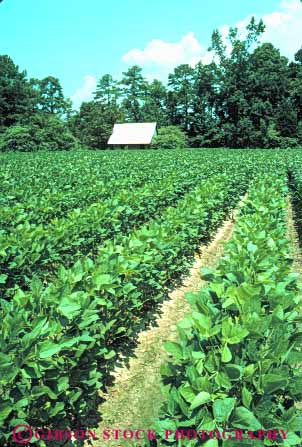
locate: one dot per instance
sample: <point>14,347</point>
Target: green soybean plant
<point>237,364</point>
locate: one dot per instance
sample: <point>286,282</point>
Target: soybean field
<point>93,242</point>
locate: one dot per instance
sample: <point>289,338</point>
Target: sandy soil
<point>292,234</point>
<point>134,400</point>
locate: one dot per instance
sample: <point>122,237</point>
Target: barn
<point>132,135</point>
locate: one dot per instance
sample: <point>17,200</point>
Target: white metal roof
<point>132,133</point>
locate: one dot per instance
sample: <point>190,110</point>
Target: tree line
<point>248,96</point>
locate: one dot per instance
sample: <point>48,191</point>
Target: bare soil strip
<point>294,240</point>
<point>296,254</point>
<point>134,400</point>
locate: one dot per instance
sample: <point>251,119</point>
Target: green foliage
<point>154,107</point>
<point>16,94</point>
<point>72,330</point>
<point>18,138</point>
<point>249,96</point>
<point>170,137</point>
<point>94,122</point>
<point>53,133</point>
<point>42,133</point>
<point>132,238</point>
<point>50,95</point>
<point>107,91</point>
<point>295,184</point>
<point>180,83</point>
<point>40,250</point>
<point>237,362</point>
<point>134,91</point>
<point>273,138</point>
<point>44,186</point>
<point>30,112</point>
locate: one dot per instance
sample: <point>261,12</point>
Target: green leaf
<point>174,349</point>
<point>63,383</point>
<point>5,360</point>
<point>211,443</point>
<point>233,371</point>
<point>244,418</point>
<point>5,411</point>
<point>3,279</point>
<point>203,321</point>
<point>103,280</point>
<point>201,398</point>
<point>69,308</point>
<point>48,349</point>
<point>21,403</point>
<point>222,380</point>
<point>251,247</point>
<point>237,334</point>
<point>37,391</point>
<point>186,322</point>
<point>59,406</point>
<point>187,393</point>
<point>69,343</point>
<point>222,408</point>
<point>8,374</point>
<point>166,370</point>
<point>246,397</point>
<point>274,382</point>
<point>198,355</point>
<point>249,370</point>
<point>207,274</point>
<point>109,355</point>
<point>226,355</point>
<point>292,440</point>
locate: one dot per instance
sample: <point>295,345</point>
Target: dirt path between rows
<point>292,234</point>
<point>134,400</point>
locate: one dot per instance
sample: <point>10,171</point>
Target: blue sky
<point>80,40</point>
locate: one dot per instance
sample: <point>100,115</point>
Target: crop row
<point>59,350</point>
<point>23,179</point>
<point>42,249</point>
<point>295,183</point>
<point>237,363</point>
<point>46,186</point>
<point>44,204</point>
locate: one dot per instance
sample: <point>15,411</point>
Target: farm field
<point>92,243</point>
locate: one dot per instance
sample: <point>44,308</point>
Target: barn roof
<point>132,133</point>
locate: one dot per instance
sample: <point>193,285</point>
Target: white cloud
<point>158,58</point>
<point>276,18</point>
<point>293,5</point>
<point>85,92</point>
<point>163,53</point>
<point>284,27</point>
